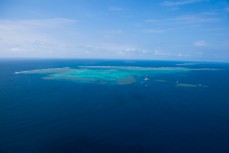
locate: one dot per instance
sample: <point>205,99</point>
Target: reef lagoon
<point>117,75</point>
<point>115,106</point>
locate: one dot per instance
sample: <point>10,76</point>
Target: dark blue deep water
<point>54,116</point>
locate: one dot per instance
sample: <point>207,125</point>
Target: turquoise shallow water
<point>113,74</point>
<point>174,110</point>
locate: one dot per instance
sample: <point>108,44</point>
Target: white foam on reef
<point>187,64</point>
<point>149,68</point>
<point>190,85</point>
<point>49,70</point>
<point>54,70</point>
<point>133,68</point>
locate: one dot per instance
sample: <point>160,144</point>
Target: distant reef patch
<point>121,75</point>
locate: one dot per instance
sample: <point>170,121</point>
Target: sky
<point>193,30</point>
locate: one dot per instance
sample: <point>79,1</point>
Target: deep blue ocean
<point>61,116</point>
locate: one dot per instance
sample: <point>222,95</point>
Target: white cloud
<point>32,37</point>
<point>195,19</point>
<point>200,43</point>
<point>19,31</point>
<point>180,2</point>
<point>16,49</point>
<point>158,52</point>
<point>182,22</point>
<point>188,19</point>
<point>39,23</point>
<point>43,38</point>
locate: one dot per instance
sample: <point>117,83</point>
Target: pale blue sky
<point>115,29</point>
